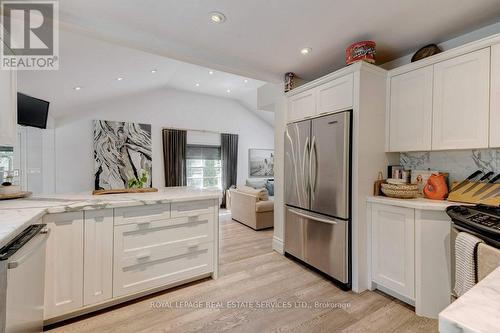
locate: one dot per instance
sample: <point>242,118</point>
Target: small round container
<point>364,50</point>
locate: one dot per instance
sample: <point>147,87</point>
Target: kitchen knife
<point>486,187</point>
<point>466,180</point>
<point>483,178</point>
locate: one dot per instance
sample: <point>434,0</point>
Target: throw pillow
<point>270,187</point>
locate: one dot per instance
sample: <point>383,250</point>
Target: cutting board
<point>17,195</point>
<point>125,190</point>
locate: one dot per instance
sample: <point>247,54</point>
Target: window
<point>203,166</point>
<point>6,161</point>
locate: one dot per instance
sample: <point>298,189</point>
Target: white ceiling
<point>262,38</point>
<point>95,65</point>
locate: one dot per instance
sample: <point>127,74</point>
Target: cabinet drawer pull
<point>192,244</point>
<point>143,224</point>
<point>143,256</point>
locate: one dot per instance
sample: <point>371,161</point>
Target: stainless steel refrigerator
<point>318,194</point>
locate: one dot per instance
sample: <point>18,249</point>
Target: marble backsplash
<point>458,163</point>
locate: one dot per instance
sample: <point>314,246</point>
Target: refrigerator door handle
<point>307,152</point>
<point>315,179</point>
<point>311,217</point>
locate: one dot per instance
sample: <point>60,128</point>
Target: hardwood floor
<point>251,272</point>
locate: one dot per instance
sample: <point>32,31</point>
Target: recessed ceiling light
<point>197,84</point>
<point>228,91</point>
<point>77,88</point>
<point>245,80</point>
<point>217,17</point>
<point>306,50</point>
<point>153,71</point>
<point>210,72</point>
<point>119,78</point>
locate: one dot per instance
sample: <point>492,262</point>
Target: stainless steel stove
<point>480,220</point>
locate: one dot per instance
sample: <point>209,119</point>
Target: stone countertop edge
<point>417,203</point>
<point>478,310</point>
<point>13,220</point>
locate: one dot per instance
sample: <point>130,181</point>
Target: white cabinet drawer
<point>169,232</point>
<point>192,208</point>
<point>143,269</point>
<point>141,214</point>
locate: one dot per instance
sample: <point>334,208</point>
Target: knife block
<point>469,197</point>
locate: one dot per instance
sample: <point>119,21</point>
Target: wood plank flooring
<point>251,272</point>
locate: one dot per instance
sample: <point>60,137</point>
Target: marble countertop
<point>418,203</point>
<point>16,215</point>
<point>478,310</point>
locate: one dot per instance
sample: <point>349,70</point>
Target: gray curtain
<point>174,157</point>
<point>229,158</point>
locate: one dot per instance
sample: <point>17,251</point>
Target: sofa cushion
<point>261,194</point>
<point>256,183</point>
<point>264,206</point>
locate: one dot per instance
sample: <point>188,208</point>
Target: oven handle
<point>478,235</point>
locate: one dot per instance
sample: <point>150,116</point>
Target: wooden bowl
<point>403,191</point>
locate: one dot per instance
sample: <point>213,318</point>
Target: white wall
<point>271,97</point>
<point>35,158</point>
<point>164,107</point>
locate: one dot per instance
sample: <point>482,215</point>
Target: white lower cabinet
<point>98,256</point>
<point>64,264</point>
<point>152,254</point>
<point>393,249</point>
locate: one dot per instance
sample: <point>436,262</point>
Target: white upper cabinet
<point>8,107</point>
<point>495,97</point>
<point>335,95</point>
<point>302,105</point>
<point>410,111</point>
<point>461,102</point>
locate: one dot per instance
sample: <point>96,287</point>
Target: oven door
<point>485,262</point>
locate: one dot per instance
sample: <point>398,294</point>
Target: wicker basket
<point>402,191</point>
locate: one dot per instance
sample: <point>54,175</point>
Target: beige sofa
<point>252,207</point>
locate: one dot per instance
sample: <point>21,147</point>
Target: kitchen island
<point>107,249</point>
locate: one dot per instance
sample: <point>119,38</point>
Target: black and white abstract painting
<point>122,155</point>
<point>261,162</point>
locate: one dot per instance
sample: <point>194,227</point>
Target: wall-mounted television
<point>32,111</point>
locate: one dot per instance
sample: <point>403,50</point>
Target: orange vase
<point>436,187</point>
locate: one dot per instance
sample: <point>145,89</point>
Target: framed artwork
<point>122,155</point>
<point>261,162</point>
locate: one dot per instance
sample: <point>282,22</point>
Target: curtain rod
<point>194,130</point>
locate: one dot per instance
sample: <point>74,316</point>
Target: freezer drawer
<point>294,233</point>
<point>326,244</point>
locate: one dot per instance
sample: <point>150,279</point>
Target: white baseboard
<point>278,245</point>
